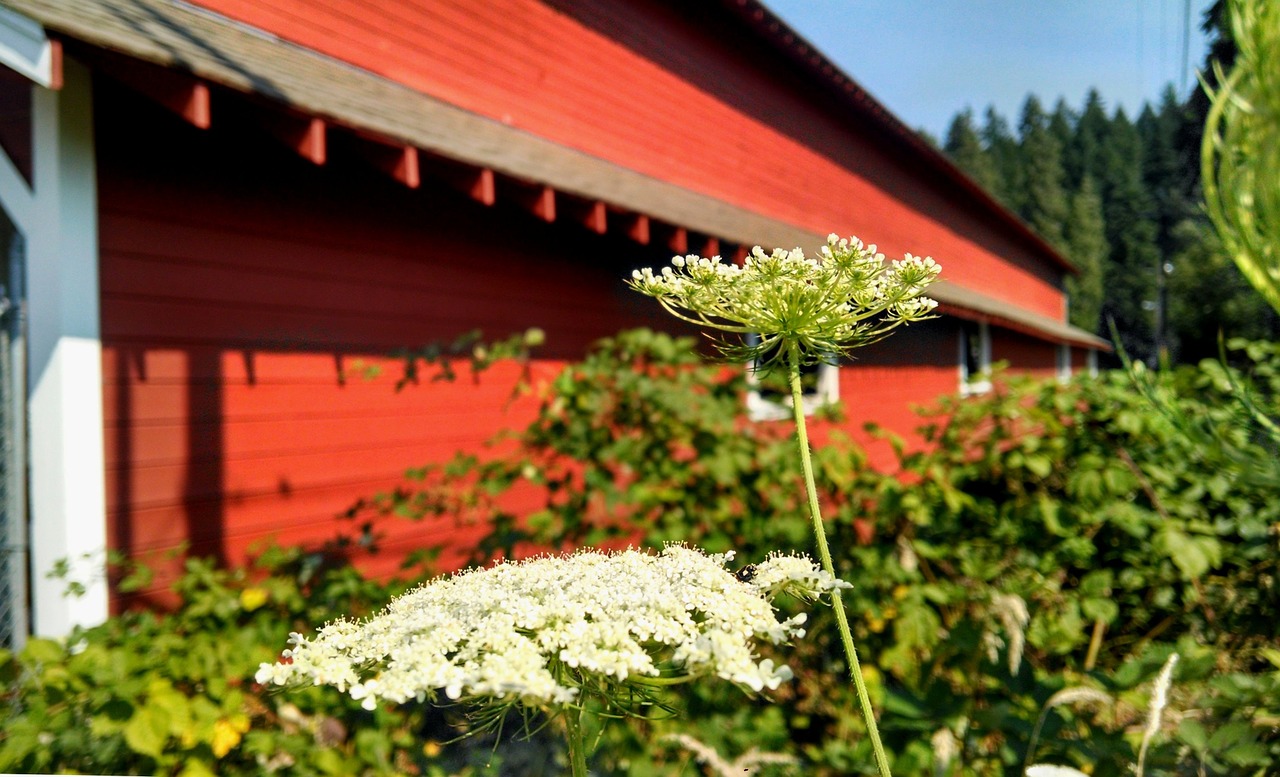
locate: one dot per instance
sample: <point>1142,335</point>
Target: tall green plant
<point>1240,152</point>
<point>790,311</point>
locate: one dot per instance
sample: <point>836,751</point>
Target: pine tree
<point>1222,50</point>
<point>1162,173</point>
<point>1006,157</point>
<point>1087,248</point>
<point>1130,297</point>
<point>965,149</point>
<point>1167,183</point>
<point>1083,156</point>
<point>1044,205</point>
<point>1209,297</point>
<point>1120,200</point>
<point>1062,125</point>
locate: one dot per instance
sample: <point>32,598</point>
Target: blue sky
<point>925,60</point>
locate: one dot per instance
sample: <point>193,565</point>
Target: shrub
<point>1031,571</point>
<point>1048,537</point>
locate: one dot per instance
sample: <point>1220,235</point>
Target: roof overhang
<point>965,303</point>
<point>308,87</point>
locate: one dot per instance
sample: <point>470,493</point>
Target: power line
<point>1142,70</point>
<point>1186,46</point>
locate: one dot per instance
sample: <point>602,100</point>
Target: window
<point>975,357</point>
<point>770,396</point>
<point>1064,362</point>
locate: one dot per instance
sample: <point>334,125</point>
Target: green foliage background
<point>1084,500</point>
<point>1125,539</point>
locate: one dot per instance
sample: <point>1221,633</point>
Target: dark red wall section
<point>1024,354</point>
<point>243,291</point>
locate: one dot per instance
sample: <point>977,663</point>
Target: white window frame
<point>979,382</point>
<point>826,392</point>
<point>1064,362</point>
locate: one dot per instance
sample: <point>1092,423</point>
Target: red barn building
<point>214,207</point>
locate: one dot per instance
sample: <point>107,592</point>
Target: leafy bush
<point>641,440</point>
<point>1122,538</point>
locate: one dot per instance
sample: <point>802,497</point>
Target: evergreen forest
<point>1120,197</point>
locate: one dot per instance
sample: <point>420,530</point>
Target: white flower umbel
<point>541,632</point>
<point>847,298</point>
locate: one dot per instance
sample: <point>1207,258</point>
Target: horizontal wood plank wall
<point>1025,355</point>
<point>887,382</point>
<point>243,288</point>
<point>676,91</point>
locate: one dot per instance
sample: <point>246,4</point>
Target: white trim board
<point>64,378</point>
<point>25,48</point>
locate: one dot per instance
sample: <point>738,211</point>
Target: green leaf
<point>42,651</point>
<point>1194,734</point>
<point>1193,555</point>
<point>194,767</point>
<point>899,704</point>
<point>21,738</point>
<point>1105,610</point>
<point>147,731</point>
<point>1041,466</point>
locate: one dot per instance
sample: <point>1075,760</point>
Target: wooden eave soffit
<point>192,100</point>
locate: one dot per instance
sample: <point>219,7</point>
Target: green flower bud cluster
<point>826,307</point>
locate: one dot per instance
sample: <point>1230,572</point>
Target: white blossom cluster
<point>849,297</point>
<point>538,631</point>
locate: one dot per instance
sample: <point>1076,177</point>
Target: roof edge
<point>427,123</point>
<point>809,57</point>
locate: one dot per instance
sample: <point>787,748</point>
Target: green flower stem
<point>824,555</point>
<point>660,682</point>
<point>577,742</point>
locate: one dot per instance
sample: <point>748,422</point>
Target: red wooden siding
<point>240,287</point>
<point>674,91</point>
<point>885,382</point>
<point>1079,360</point>
<point>1024,354</point>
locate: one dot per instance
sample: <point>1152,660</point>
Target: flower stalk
<point>576,740</point>
<point>824,557</point>
<point>799,311</point>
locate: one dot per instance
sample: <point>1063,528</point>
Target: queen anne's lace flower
<point>538,631</point>
<point>849,298</point>
<point>794,575</point>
